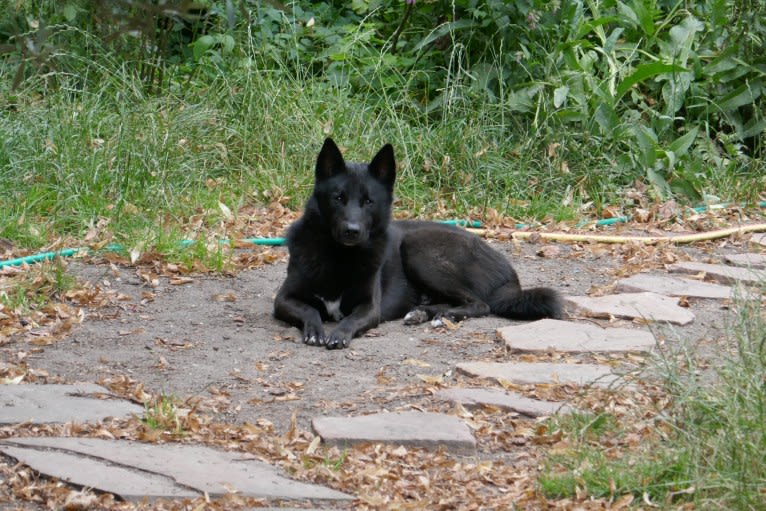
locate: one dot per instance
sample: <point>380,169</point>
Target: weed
<point>708,445</point>
<point>588,427</point>
<point>335,463</point>
<point>721,426</point>
<point>329,459</point>
<point>593,472</point>
<point>161,413</point>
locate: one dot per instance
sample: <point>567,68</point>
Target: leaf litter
<point>382,476</point>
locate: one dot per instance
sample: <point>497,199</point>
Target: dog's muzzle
<point>350,234</point>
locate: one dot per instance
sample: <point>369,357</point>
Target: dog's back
<point>460,271</point>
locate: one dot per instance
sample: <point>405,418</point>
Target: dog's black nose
<point>351,231</point>
<point>350,234</point>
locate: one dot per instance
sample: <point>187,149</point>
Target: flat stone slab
<point>759,239</point>
<point>524,373</point>
<point>553,334</point>
<point>505,400</point>
<point>648,306</point>
<point>748,260</point>
<point>135,470</point>
<point>672,286</point>
<point>720,272</point>
<point>40,404</point>
<point>417,429</point>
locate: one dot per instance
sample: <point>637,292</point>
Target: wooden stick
<point>649,240</point>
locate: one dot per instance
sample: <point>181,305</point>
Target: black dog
<point>350,263</point>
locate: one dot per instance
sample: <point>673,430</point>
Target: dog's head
<point>354,198</point>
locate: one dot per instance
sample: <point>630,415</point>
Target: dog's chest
<point>332,307</point>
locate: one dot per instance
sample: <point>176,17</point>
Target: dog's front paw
<point>445,319</point>
<point>338,339</point>
<point>313,335</point>
<point>415,317</point>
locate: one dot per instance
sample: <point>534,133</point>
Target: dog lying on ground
<point>350,263</point>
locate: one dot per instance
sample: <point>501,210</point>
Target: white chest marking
<point>333,308</point>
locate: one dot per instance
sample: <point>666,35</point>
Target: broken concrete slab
<point>721,273</point>
<point>417,429</point>
<point>552,334</point>
<point>672,286</point>
<point>758,239</point>
<point>84,471</point>
<point>648,306</point>
<point>541,372</point>
<point>135,470</point>
<point>505,400</point>
<point>58,403</point>
<point>748,260</point>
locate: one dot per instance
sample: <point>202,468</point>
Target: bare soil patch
<point>213,340</point>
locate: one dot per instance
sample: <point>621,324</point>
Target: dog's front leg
<point>365,315</point>
<point>303,316</point>
<point>361,319</point>
<point>289,307</point>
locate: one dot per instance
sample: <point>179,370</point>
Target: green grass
<point>143,162</point>
<point>598,476</point>
<point>33,289</point>
<point>161,414</point>
<point>107,150</point>
<point>709,444</point>
<point>91,145</point>
<point>329,459</point>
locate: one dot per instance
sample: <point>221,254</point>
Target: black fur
<point>345,249</point>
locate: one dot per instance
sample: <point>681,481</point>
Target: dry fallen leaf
<point>135,254</point>
<point>311,449</point>
<point>224,297</point>
<point>149,278</point>
<point>12,381</point>
<point>415,362</point>
<point>432,380</point>
<point>77,500</point>
<point>226,212</point>
<point>549,251</point>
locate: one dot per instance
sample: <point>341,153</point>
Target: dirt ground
<point>214,341</point>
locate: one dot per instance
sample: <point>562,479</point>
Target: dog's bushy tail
<point>534,303</point>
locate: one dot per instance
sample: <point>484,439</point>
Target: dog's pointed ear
<point>330,161</point>
<point>383,166</point>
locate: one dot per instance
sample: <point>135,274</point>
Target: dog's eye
<point>340,197</point>
<point>366,201</point>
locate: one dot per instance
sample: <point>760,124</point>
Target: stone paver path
<point>672,286</point>
<point>720,272</point>
<point>648,306</point>
<point>541,372</point>
<point>505,400</point>
<point>418,429</point>
<point>135,470</point>
<point>551,334</point>
<point>759,239</point>
<point>60,403</point>
<point>747,260</point>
